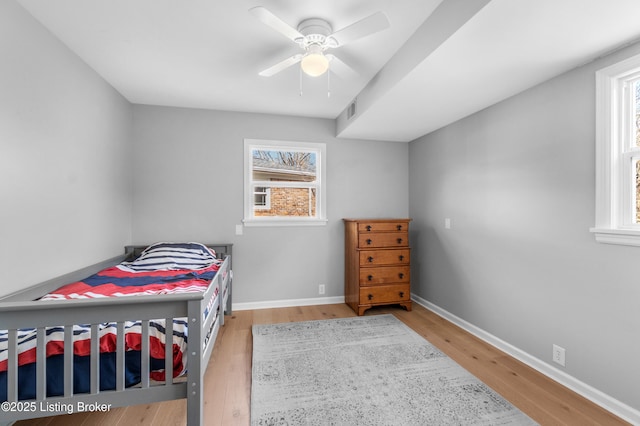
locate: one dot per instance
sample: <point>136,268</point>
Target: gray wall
<point>517,181</point>
<point>189,185</point>
<point>65,197</point>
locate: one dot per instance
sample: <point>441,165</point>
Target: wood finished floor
<point>228,377</point>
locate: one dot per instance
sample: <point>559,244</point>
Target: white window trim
<point>613,224</point>
<point>249,219</point>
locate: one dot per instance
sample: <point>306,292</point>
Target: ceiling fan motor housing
<point>315,31</point>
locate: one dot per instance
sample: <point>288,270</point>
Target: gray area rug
<point>370,370</point>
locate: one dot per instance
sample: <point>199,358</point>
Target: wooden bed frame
<point>19,310</point>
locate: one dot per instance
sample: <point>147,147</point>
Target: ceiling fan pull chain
<point>328,84</point>
<point>300,80</point>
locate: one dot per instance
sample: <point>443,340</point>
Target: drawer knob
<point>369,241</point>
<point>401,258</point>
<point>399,227</point>
<point>368,227</point>
<point>401,275</point>
<point>399,240</point>
<point>402,294</point>
<point>370,259</point>
<point>370,277</point>
<point>370,296</point>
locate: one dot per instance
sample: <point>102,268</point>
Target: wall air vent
<point>351,111</point>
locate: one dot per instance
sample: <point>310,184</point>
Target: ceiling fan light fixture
<point>314,63</point>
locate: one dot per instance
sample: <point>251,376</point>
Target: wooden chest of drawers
<point>377,263</point>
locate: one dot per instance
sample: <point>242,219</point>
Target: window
<point>262,198</point>
<point>618,153</point>
<point>284,183</point>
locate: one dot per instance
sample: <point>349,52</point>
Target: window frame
<point>270,145</point>
<point>615,177</point>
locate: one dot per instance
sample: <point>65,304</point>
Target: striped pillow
<point>172,256</point>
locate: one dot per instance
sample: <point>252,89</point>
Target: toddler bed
<point>89,345</point>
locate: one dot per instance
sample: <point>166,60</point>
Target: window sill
<point>285,221</point>
<point>627,237</point>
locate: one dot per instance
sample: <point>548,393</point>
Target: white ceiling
<point>440,60</point>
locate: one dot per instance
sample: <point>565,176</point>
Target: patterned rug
<point>371,370</point>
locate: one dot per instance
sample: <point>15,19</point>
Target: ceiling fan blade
<point>276,23</point>
<point>340,68</point>
<point>364,27</point>
<point>281,65</point>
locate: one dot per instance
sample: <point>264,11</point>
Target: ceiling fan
<point>315,36</point>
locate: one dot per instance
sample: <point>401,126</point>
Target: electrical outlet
<point>321,289</point>
<point>447,223</point>
<point>558,355</point>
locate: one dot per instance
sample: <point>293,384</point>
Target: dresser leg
<point>361,310</point>
<point>406,305</point>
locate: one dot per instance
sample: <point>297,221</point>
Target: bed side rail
<point>221,281</point>
<point>203,331</point>
<point>66,313</point>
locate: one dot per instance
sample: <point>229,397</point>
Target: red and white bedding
<point>108,334</point>
<point>163,268</point>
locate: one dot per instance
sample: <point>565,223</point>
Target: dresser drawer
<point>385,294</point>
<point>383,239</point>
<point>384,275</point>
<point>382,226</point>
<point>385,257</point>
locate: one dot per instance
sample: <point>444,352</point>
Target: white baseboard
<point>607,402</point>
<point>287,303</point>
